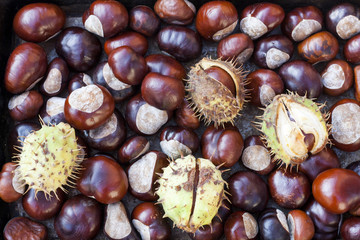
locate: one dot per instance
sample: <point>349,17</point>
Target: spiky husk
<point>210,99</point>
<point>49,158</point>
<point>178,186</point>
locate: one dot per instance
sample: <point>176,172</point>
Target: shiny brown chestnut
<point>345,120</point>
<point>238,47</point>
<point>143,118</point>
<point>320,47</point>
<point>182,43</point>
<point>216,20</point>
<point>18,133</point>
<point>300,225</point>
<point>241,225</point>
<point>337,77</point>
<point>185,116</point>
<point>273,225</point>
<point>102,178</point>
<point>25,67</point>
<point>162,92</point>
<point>105,18</point>
<point>260,18</point>
<point>127,65</point>
<point>53,111</point>
<point>38,22</point>
<point>143,20</point>
<point>273,51</point>
<point>177,141</point>
<point>11,188</point>
<point>351,50</point>
<point>357,82</point>
<point>302,22</point>
<point>134,40</point>
<point>143,174</point>
<point>20,227</point>
<point>343,20</point>
<point>80,218</point>
<point>165,65</point>
<point>132,149</point>
<point>83,113</point>
<point>289,189</point>
<point>180,12</point>
<point>148,221</point>
<point>79,80</point>
<point>25,106</point>
<point>350,229</point>
<point>301,77</point>
<point>222,145</point>
<point>56,78</point>
<point>256,156</point>
<point>79,48</point>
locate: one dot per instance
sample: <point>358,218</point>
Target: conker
<point>132,149</point>
<point>165,65</point>
<point>11,188</point>
<point>273,225</point>
<point>351,50</point>
<point>20,227</point>
<point>134,40</point>
<point>144,20</point>
<point>241,225</point>
<point>179,12</point>
<point>185,116</point>
<point>337,77</point>
<point>25,106</point>
<point>238,47</point>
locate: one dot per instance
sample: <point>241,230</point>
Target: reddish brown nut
<point>350,229</point>
<point>357,83</point>
<point>352,50</point>
<point>185,116</point>
<point>343,20</point>
<point>83,113</point>
<point>148,221</point>
<point>144,20</point>
<point>20,227</point>
<point>132,149</point>
<point>241,225</point>
<point>134,40</point>
<point>337,77</point>
<point>11,188</point>
<point>260,18</point>
<point>216,20</point>
<point>273,225</point>
<point>165,65</point>
<point>105,18</point>
<point>25,67</point>
<point>321,46</point>
<point>79,80</point>
<point>25,106</point>
<point>179,12</point>
<point>162,92</point>
<point>345,120</point>
<point>256,156</point>
<point>143,174</point>
<point>300,225</point>
<point>302,22</point>
<point>127,65</point>
<point>272,52</point>
<point>38,22</point>
<point>238,47</point>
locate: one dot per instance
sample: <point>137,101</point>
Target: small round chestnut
<point>350,229</point>
<point>179,12</point>
<point>25,106</point>
<point>79,80</point>
<point>300,225</point>
<point>148,221</point>
<point>216,20</point>
<point>133,40</point>
<point>53,111</point>
<point>143,20</point>
<point>352,51</point>
<point>273,51</point>
<point>273,225</point>
<point>357,82</point>
<point>11,188</point>
<point>241,225</point>
<point>238,46</point>
<point>20,227</point>
<point>132,149</point>
<point>302,22</point>
<point>185,116</point>
<point>260,18</point>
<point>165,65</point>
<point>38,22</point>
<point>337,77</point>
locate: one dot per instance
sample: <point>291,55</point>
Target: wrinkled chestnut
<point>178,141</point>
<point>143,20</point>
<point>88,107</point>
<point>79,80</point>
<point>337,77</point>
<point>273,225</point>
<point>357,83</point>
<point>148,221</point>
<point>79,48</point>
<point>260,18</point>
<point>11,188</point>
<point>17,135</point>
<point>301,77</point>
<point>300,225</point>
<point>302,22</point>
<point>350,229</point>
<point>272,52</point>
<point>351,50</point>
<point>22,227</point>
<point>321,46</point>
<point>162,92</point>
<point>182,43</point>
<point>25,67</point>
<point>103,179</point>
<point>248,191</point>
<point>343,20</point>
<point>38,22</point>
<point>105,18</point>
<point>132,149</point>
<point>238,47</point>
<point>222,145</point>
<point>143,174</point>
<point>241,225</point>
<point>165,65</point>
<point>133,40</point>
<point>80,218</point>
<point>53,111</point>
<point>25,106</point>
<point>179,12</point>
<point>185,116</point>
<point>256,156</point>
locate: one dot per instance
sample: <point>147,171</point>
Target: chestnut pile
<point>178,80</point>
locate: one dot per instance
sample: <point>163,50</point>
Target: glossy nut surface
<point>350,229</point>
<point>165,65</point>
<point>10,189</point>
<point>134,40</point>
<point>133,148</point>
<point>56,78</point>
<point>351,50</point>
<point>79,80</point>
<point>337,77</point>
<point>143,20</point>
<point>19,227</point>
<point>38,22</point>
<point>273,225</point>
<point>25,106</point>
<point>241,225</point>
<point>238,46</point>
<point>18,133</point>
<point>300,225</point>
<point>179,12</point>
<point>185,116</point>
